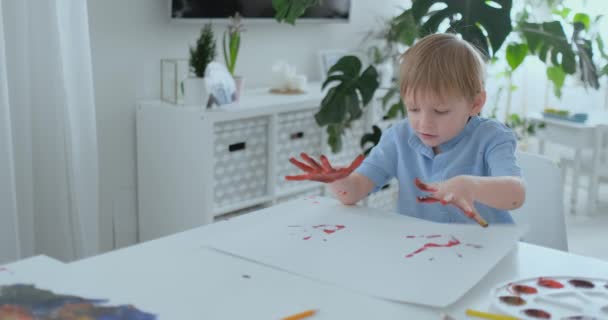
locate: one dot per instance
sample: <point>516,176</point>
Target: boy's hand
<point>323,172</point>
<point>457,191</point>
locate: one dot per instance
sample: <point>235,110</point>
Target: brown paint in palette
<point>581,283</point>
<point>523,289</point>
<point>537,313</point>
<point>513,300</point>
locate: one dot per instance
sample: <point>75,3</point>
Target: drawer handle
<point>296,135</point>
<point>236,146</point>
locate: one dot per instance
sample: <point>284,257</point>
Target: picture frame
<point>220,83</point>
<point>327,58</point>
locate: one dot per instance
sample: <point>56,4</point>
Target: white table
<point>578,136</point>
<point>176,278</point>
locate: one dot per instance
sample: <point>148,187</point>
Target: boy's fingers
<point>301,165</point>
<point>312,162</point>
<point>447,199</point>
<point>423,186</point>
<point>326,165</point>
<point>356,163</point>
<point>298,177</point>
<point>427,199</point>
<point>470,212</point>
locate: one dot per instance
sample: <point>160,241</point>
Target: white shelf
<point>195,164</point>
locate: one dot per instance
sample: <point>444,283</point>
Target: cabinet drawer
<point>296,132</point>
<point>241,160</point>
<point>351,145</point>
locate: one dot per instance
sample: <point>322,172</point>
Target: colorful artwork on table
<point>26,302</point>
<point>384,255</point>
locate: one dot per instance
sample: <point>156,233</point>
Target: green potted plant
<point>195,87</point>
<point>486,24</point>
<point>231,46</point>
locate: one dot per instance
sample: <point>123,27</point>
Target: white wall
<point>129,38</point>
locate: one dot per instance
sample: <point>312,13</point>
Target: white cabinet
<point>194,164</point>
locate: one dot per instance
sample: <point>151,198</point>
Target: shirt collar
<point>417,144</point>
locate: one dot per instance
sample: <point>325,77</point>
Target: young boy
<point>470,160</point>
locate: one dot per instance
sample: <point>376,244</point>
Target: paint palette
<point>560,297</point>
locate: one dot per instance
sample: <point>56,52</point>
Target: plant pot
<point>239,83</point>
<point>196,91</point>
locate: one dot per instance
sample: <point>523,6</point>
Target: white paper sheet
<point>385,255</point>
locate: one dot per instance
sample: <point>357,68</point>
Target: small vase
<point>195,92</point>
<point>240,84</point>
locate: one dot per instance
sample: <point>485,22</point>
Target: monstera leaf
<point>372,138</point>
<point>546,39</point>
<point>403,28</point>
<point>486,24</point>
<point>344,102</point>
<point>584,49</point>
<point>289,10</point>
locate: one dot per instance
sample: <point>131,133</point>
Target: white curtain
<point>47,96</point>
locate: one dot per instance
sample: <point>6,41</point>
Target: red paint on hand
<point>323,172</point>
<point>432,199</point>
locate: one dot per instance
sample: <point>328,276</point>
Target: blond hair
<point>442,64</point>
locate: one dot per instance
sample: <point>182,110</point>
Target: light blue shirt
<point>485,147</point>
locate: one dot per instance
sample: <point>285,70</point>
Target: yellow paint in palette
<point>487,315</point>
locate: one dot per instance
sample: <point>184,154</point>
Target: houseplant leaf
<point>557,76</point>
<point>344,102</point>
<point>485,24</point>
<point>584,50</point>
<point>372,138</point>
<point>516,53</point>
<point>546,39</point>
<point>289,10</point>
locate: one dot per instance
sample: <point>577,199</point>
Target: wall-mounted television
<point>198,10</point>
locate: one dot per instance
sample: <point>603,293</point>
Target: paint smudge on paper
<point>307,233</point>
<point>452,242</point>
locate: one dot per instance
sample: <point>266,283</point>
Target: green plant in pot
<point>204,51</point>
<point>231,45</point>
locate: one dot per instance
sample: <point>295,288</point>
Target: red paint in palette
<point>549,283</point>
